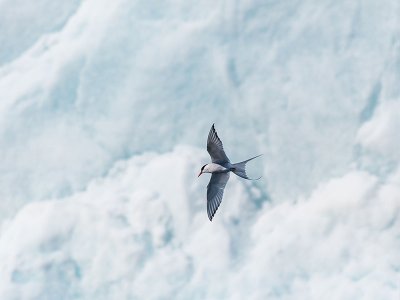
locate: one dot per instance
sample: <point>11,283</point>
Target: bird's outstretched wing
<point>215,147</point>
<point>215,191</point>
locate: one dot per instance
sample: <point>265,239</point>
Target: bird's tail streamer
<point>240,168</point>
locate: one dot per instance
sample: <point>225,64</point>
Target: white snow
<point>105,108</point>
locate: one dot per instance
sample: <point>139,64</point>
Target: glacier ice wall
<point>104,114</point>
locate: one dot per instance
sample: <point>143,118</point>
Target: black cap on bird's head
<point>201,171</point>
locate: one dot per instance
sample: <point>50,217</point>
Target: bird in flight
<point>220,169</point>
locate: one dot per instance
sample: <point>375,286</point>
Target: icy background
<point>105,108</point>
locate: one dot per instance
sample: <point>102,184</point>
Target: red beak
<point>199,174</point>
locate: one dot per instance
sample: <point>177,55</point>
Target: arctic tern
<point>220,169</point>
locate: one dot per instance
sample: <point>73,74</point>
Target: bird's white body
<point>215,168</point>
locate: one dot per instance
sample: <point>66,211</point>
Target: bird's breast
<point>217,168</point>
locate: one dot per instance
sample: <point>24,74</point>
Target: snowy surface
<point>105,108</point>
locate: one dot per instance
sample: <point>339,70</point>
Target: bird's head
<point>203,170</point>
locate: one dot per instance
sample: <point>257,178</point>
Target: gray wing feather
<point>215,191</point>
<point>215,147</point>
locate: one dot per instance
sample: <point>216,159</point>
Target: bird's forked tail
<point>240,168</point>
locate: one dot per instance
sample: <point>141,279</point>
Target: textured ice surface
<point>105,108</point>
